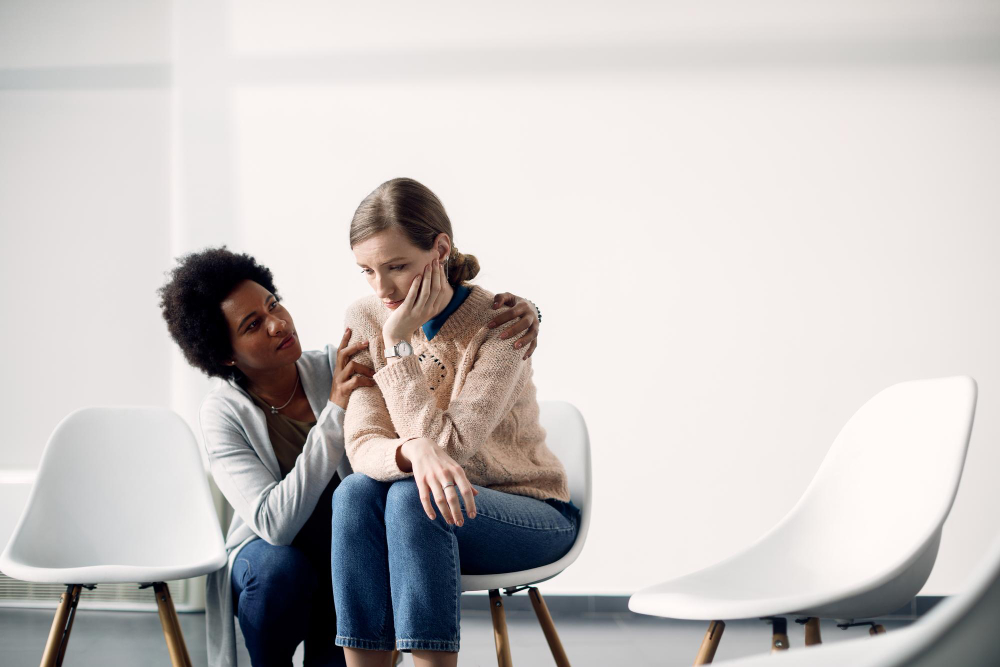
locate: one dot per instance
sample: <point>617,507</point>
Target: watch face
<point>404,349</point>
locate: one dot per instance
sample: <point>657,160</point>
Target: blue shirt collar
<point>433,325</point>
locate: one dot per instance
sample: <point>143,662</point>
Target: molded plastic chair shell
<point>959,631</point>
<point>863,538</point>
<point>120,496</point>
<point>566,436</point>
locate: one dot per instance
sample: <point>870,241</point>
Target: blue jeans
<point>397,574</point>
<point>282,596</point>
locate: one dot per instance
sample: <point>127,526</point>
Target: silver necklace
<point>274,410</point>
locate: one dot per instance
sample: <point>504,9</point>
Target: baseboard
<point>578,605</point>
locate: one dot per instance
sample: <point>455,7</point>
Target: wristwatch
<point>400,349</point>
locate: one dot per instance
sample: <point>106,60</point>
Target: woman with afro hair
<point>273,430</point>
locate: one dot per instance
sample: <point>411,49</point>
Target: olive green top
<point>288,435</point>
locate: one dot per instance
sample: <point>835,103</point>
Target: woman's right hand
<point>433,469</point>
<point>349,375</point>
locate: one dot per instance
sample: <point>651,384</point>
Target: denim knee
<point>356,490</point>
<point>403,509</point>
<point>281,576</point>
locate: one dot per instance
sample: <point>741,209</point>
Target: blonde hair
<point>413,208</point>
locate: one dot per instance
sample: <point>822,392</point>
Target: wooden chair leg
<point>812,632</point>
<point>500,629</point>
<point>171,626</point>
<point>779,634</point>
<point>710,643</point>
<point>62,623</point>
<point>548,627</point>
<point>395,659</point>
<point>876,630</point>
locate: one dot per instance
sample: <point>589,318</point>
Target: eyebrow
<point>254,312</point>
<point>394,259</point>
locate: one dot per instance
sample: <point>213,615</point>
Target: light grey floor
<point>134,639</point>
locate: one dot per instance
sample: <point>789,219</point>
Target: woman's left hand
<point>427,297</point>
<point>528,321</point>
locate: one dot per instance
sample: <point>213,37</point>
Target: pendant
<point>274,410</point>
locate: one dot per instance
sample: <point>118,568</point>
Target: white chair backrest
<point>887,483</point>
<point>566,436</point>
<point>118,486</point>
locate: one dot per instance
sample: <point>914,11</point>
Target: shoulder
<point>477,311</point>
<point>223,404</point>
<point>366,315</point>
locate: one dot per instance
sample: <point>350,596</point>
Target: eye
<point>253,325</point>
<point>366,271</point>
<point>397,267</point>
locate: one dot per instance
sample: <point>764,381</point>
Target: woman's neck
<point>275,385</point>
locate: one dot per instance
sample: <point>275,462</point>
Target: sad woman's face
<point>390,263</point>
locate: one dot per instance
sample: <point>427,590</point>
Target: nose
<point>383,288</point>
<point>277,326</point>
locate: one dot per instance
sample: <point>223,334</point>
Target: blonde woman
<point>452,473</point>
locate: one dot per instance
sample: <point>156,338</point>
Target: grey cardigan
<point>245,469</point>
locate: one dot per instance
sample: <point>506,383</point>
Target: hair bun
<point>461,268</point>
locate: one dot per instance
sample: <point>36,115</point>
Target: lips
<point>287,341</point>
<point>393,304</point>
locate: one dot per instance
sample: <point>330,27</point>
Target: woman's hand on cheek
<point>426,298</point>
<point>438,476</point>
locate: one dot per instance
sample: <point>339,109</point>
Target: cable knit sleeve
<point>369,436</point>
<point>491,388</point>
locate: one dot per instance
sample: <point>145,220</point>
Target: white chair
<point>961,630</point>
<point>120,496</point>
<point>566,436</point>
<point>862,539</point>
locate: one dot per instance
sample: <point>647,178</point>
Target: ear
<point>442,244</point>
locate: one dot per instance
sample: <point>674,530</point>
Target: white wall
<point>740,223</point>
<point>84,205</point>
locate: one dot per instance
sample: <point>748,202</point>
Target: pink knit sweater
<point>467,389</point>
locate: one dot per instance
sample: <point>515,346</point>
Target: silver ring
<point>449,484</point>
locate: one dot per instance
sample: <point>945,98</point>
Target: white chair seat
<point>959,631</point>
<point>120,496</point>
<point>862,539</point>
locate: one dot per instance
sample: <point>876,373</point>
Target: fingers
<point>505,316</point>
<point>441,500</point>
<point>349,351</point>
<point>468,495</point>
<point>517,327</point>
<point>426,287</point>
<point>425,498</point>
<point>346,339</point>
<point>343,344</point>
<point>454,506</point>
<point>360,369</point>
<point>504,299</point>
<point>414,291</point>
<point>531,350</point>
<point>359,381</point>
<point>530,334</point>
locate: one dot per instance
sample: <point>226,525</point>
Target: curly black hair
<point>191,304</point>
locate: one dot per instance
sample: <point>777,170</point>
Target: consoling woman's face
<point>260,329</point>
<point>390,263</point>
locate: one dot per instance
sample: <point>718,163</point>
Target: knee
<point>404,510</point>
<point>356,490</point>
<point>286,574</point>
<point>357,502</point>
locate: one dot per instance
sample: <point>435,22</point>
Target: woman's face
<point>260,329</point>
<point>390,262</point>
